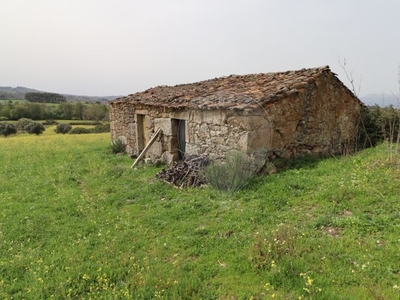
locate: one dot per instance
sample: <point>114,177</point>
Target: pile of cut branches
<point>187,173</point>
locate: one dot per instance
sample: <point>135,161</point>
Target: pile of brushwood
<point>187,173</point>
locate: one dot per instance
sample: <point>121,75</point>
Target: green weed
<point>117,146</point>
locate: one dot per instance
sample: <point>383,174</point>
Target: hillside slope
<point>77,222</point>
<point>11,93</point>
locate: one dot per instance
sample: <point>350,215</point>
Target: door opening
<point>179,137</point>
<point>141,132</point>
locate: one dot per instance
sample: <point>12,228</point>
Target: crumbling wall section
<point>123,124</point>
<point>320,119</point>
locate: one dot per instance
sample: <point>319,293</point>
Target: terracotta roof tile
<point>234,91</point>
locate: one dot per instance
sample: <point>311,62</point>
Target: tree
<point>63,128</point>
<point>5,111</point>
<point>7,129</point>
<point>79,110</point>
<point>36,111</point>
<point>45,97</point>
<point>67,110</point>
<point>97,112</point>
<point>35,128</point>
<point>20,111</point>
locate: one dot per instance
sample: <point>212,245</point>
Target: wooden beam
<point>152,140</point>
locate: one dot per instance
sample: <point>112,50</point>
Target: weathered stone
<point>155,150</point>
<point>167,157</point>
<point>164,124</point>
<point>248,123</point>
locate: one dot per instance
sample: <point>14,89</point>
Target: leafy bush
<point>370,133</point>
<point>378,124</point>
<point>35,128</point>
<point>50,122</point>
<point>117,146</point>
<point>98,129</point>
<point>63,128</point>
<point>79,130</point>
<point>23,123</point>
<point>85,123</point>
<point>101,128</point>
<point>233,174</point>
<point>7,129</point>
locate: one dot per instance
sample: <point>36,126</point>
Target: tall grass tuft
<point>234,173</point>
<point>117,146</point>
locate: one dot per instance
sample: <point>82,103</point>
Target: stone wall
<point>122,125</point>
<point>322,118</point>
<point>208,132</point>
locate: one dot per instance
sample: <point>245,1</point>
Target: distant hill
<point>380,99</point>
<point>18,89</point>
<point>12,93</point>
<point>77,98</point>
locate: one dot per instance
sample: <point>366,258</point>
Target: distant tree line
<point>62,111</point>
<point>10,96</point>
<point>45,97</point>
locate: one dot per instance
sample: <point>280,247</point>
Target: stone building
<point>308,111</point>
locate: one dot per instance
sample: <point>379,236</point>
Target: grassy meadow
<point>76,222</point>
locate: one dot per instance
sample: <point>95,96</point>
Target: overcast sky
<point>99,47</point>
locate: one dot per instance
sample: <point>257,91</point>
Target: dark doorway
<point>179,137</point>
<point>141,132</point>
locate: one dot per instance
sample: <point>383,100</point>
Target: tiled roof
<point>231,92</point>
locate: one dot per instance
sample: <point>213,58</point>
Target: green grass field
<point>77,223</point>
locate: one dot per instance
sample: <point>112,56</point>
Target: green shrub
<point>7,129</point>
<point>23,123</point>
<point>117,146</point>
<point>233,174</point>
<point>86,123</point>
<point>378,124</point>
<point>79,130</point>
<point>50,122</point>
<point>63,128</point>
<point>101,128</point>
<point>371,128</point>
<point>98,129</point>
<point>34,128</point>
